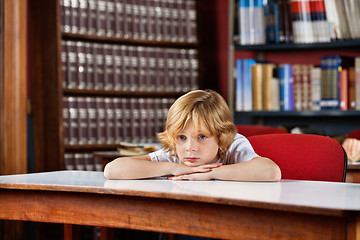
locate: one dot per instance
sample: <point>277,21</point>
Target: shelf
<point>127,41</point>
<point>91,147</point>
<point>295,46</point>
<point>324,113</point>
<point>112,93</point>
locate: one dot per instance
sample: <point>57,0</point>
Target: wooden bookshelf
<point>47,35</point>
<point>333,122</point>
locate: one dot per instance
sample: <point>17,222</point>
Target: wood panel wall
<point>13,87</point>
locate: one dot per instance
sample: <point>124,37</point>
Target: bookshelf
<point>331,122</point>
<point>107,71</point>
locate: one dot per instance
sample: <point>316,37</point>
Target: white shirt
<point>240,151</point>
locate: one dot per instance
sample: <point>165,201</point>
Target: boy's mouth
<point>192,159</point>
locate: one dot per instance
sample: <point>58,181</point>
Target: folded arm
<point>142,167</point>
<point>257,169</point>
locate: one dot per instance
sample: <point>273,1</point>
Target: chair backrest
<point>354,134</point>
<point>303,156</point>
<point>251,130</point>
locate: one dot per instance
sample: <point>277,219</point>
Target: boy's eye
<point>181,137</point>
<point>202,136</point>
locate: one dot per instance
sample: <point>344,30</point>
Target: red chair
<point>251,130</point>
<point>303,156</point>
<point>354,134</point>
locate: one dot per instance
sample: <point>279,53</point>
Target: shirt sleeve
<point>239,151</point>
<point>163,156</point>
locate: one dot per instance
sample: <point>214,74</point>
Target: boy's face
<point>194,148</point>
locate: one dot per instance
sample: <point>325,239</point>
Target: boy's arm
<point>139,167</point>
<point>257,169</point>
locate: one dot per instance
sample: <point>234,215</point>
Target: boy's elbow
<point>275,173</point>
<point>107,172</point>
<point>110,171</point>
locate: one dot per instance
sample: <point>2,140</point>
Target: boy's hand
<point>192,177</point>
<point>199,173</point>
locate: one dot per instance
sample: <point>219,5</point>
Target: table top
<point>279,195</point>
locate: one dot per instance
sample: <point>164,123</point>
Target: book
<point>272,22</point>
<point>315,75</point>
<point>135,149</point>
<point>268,90</point>
<point>285,22</point>
<point>357,83</point>
<point>344,90</point>
<point>320,25</point>
<point>257,87</point>
<point>239,85</point>
<point>286,87</point>
<point>351,82</point>
<point>301,21</point>
<point>247,90</point>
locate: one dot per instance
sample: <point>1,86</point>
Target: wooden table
<point>219,209</point>
<point>353,172</point>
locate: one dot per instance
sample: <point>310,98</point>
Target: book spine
<point>344,87</point>
<point>109,67</point>
<point>325,64</point>
<point>301,21</point>
<point>92,17</point>
<point>357,82</point>
<point>285,22</point>
<point>239,86</point>
<point>286,87</point>
<point>98,66</point>
<point>69,161</point>
<point>74,12</point>
<point>66,121</point>
<point>110,121</point>
<point>91,120</point>
<point>72,65</point>
<point>118,120</point>
<point>135,19</point>
<point>297,75</point>
<point>101,120</point>
<point>316,88</point>
<point>256,78</point>
<point>101,18</point>
<point>259,22</point>
<point>306,84</point>
<point>268,91</point>
<point>83,16</point>
<point>81,65</point>
<point>351,82</point>
<point>272,22</point>
<point>82,121</point>
<point>73,121</point>
<point>110,18</point>
<point>140,69</point>
<point>66,15</point>
<point>143,12</point>
<point>194,69</point>
<point>89,65</point>
<point>119,18</point>
<point>64,64</point>
<point>143,138</point>
<point>248,84</point>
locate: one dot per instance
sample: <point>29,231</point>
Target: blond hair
<point>210,115</point>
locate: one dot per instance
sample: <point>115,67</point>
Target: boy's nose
<point>191,146</point>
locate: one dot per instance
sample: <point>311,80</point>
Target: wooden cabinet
<point>329,122</point>
<point>118,63</point>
